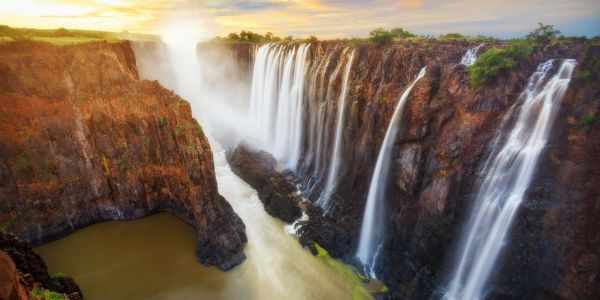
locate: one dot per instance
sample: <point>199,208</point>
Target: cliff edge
<point>84,140</point>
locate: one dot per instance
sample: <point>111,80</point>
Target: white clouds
<point>326,18</point>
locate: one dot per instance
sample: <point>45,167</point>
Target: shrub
<point>249,37</point>
<point>179,128</point>
<point>584,75</point>
<point>123,167</point>
<point>543,34</point>
<point>5,224</point>
<point>455,153</point>
<point>518,49</point>
<point>162,120</point>
<point>587,120</point>
<point>382,36</point>
<point>57,275</point>
<point>452,36</point>
<point>311,39</point>
<point>400,33</point>
<point>494,60</point>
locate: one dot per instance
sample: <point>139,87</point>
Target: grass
<point>47,294</point>
<point>62,36</point>
<point>66,40</point>
<point>357,279</point>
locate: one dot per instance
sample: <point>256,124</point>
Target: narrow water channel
<point>153,258</point>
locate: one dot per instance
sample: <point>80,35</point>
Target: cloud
<point>325,18</point>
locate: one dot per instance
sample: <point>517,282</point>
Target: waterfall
<point>372,226</point>
<point>276,102</point>
<point>471,55</point>
<point>507,176</point>
<point>298,105</point>
<point>325,199</point>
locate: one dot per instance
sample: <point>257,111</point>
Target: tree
<point>312,39</point>
<point>543,34</point>
<point>381,36</point>
<point>401,33</point>
<point>233,36</point>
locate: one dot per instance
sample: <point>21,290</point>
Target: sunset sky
<point>325,18</point>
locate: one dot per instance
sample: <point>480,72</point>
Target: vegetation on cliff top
<point>494,60</point>
<point>62,36</point>
<point>252,37</point>
<point>376,36</point>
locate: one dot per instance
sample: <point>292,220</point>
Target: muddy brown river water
<point>154,258</point>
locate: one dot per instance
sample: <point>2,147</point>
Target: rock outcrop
<point>84,140</point>
<point>444,139</point>
<point>276,191</point>
<point>23,271</point>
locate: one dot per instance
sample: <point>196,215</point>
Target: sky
<point>323,18</point>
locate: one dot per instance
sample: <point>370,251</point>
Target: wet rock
<point>447,134</point>
<point>278,194</point>
<point>27,261</point>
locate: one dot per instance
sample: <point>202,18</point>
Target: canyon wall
<point>84,140</point>
<point>444,139</point>
<point>24,274</point>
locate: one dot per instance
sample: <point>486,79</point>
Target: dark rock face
<point>277,193</point>
<point>445,137</point>
<point>84,141</point>
<point>27,261</point>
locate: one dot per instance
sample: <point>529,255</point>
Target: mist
<point>205,74</point>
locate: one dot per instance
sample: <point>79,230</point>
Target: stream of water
<point>372,228</point>
<point>153,258</point>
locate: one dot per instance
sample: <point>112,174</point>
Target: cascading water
<point>277,99</point>
<point>372,225</point>
<point>320,108</point>
<point>507,178</point>
<point>277,266</point>
<point>471,55</point>
<point>325,199</point>
<point>293,101</point>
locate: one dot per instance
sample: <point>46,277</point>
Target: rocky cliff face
<point>84,140</point>
<point>443,141</point>
<point>23,273</point>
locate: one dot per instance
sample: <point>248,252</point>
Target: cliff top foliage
<point>376,36</point>
<point>62,36</point>
<point>493,61</point>
<point>252,37</point>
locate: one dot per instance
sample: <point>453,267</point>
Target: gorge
<point>385,156</point>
